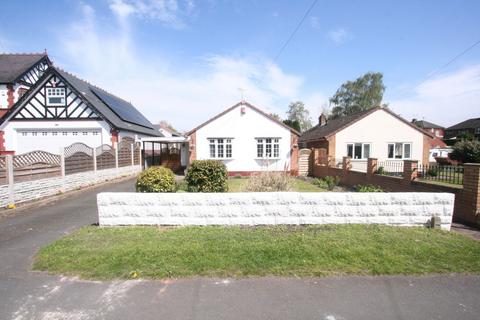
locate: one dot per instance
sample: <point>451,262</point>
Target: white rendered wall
<point>243,129</point>
<point>379,129</point>
<point>50,143</point>
<point>271,208</point>
<point>3,96</point>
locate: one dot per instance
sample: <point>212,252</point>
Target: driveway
<point>31,295</point>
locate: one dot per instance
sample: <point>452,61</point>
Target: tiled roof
<point>467,124</point>
<point>12,66</point>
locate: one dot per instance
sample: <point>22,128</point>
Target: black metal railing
<point>440,173</point>
<point>390,168</point>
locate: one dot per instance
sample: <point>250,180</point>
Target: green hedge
<point>156,179</point>
<point>207,176</point>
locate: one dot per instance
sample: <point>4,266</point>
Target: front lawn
<point>238,185</point>
<point>159,252</point>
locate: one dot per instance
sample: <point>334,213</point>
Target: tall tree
<point>298,112</point>
<point>275,116</point>
<point>364,93</point>
<point>293,124</point>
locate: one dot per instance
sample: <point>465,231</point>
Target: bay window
<point>220,148</point>
<point>268,147</point>
<point>399,150</point>
<point>358,150</point>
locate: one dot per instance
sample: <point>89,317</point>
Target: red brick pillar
<point>294,154</point>
<point>467,202</point>
<point>371,167</point>
<point>114,137</point>
<point>410,170</point>
<point>10,96</point>
<point>346,165</point>
<point>2,141</point>
<point>192,148</point>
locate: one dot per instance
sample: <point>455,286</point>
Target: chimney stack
<point>322,120</point>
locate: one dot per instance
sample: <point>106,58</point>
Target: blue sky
<point>185,60</point>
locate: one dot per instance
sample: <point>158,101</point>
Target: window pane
<point>220,149</point>
<point>350,150</point>
<point>228,150</point>
<point>259,149</point>
<point>358,151</point>
<point>366,151</point>
<point>390,150</point>
<point>407,148</point>
<point>212,150</point>
<point>268,149</point>
<point>276,150</point>
<point>398,150</point>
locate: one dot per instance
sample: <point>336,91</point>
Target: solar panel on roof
<point>123,109</point>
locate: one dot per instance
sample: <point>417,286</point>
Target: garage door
<point>51,140</point>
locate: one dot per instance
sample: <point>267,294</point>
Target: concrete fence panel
<point>402,209</point>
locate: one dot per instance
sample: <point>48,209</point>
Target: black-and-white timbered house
<point>44,108</point>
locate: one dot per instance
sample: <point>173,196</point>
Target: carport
<point>170,152</point>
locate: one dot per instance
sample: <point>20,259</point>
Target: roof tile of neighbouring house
<point>333,126</point>
<point>250,106</point>
<point>12,66</point>
<point>111,114</point>
<point>467,124</point>
<point>426,125</point>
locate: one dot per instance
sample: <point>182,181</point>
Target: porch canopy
<point>170,152</point>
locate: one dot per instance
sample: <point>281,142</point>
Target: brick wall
<point>467,197</point>
<point>293,153</point>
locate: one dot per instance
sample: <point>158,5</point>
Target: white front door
<point>52,140</point>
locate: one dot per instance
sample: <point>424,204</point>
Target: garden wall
<point>37,189</point>
<point>271,208</point>
<point>467,200</point>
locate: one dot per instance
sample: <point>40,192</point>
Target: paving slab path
<point>25,294</point>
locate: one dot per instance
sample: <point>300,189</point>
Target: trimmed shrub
<point>156,179</point>
<point>207,176</point>
<point>380,170</point>
<point>368,188</point>
<point>328,182</point>
<point>269,182</point>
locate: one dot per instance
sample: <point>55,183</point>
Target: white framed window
<point>95,133</point>
<point>85,133</point>
<point>220,148</point>
<point>54,133</point>
<point>268,147</point>
<point>358,150</point>
<point>34,133</point>
<point>399,150</point>
<point>44,133</point>
<point>64,133</point>
<point>24,134</point>
<point>75,133</point>
<point>477,130</point>
<point>55,97</point>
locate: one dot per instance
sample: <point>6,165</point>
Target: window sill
<point>277,158</point>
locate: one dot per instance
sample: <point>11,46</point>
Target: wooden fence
<point>78,157</point>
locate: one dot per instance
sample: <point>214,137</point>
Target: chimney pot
<point>322,120</point>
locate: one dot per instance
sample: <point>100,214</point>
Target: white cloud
<point>315,23</point>
<point>170,12</point>
<point>339,35</point>
<point>183,96</point>
<point>446,99</point>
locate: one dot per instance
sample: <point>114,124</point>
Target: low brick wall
<point>37,189</point>
<point>271,208</point>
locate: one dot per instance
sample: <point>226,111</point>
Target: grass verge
<point>152,252</point>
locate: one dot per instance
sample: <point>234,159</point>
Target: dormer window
<point>55,97</point>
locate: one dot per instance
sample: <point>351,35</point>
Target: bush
<point>466,151</point>
<point>328,182</point>
<point>368,188</point>
<point>182,186</point>
<point>432,172</point>
<point>207,176</point>
<point>269,182</point>
<point>380,170</point>
<point>156,179</point>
